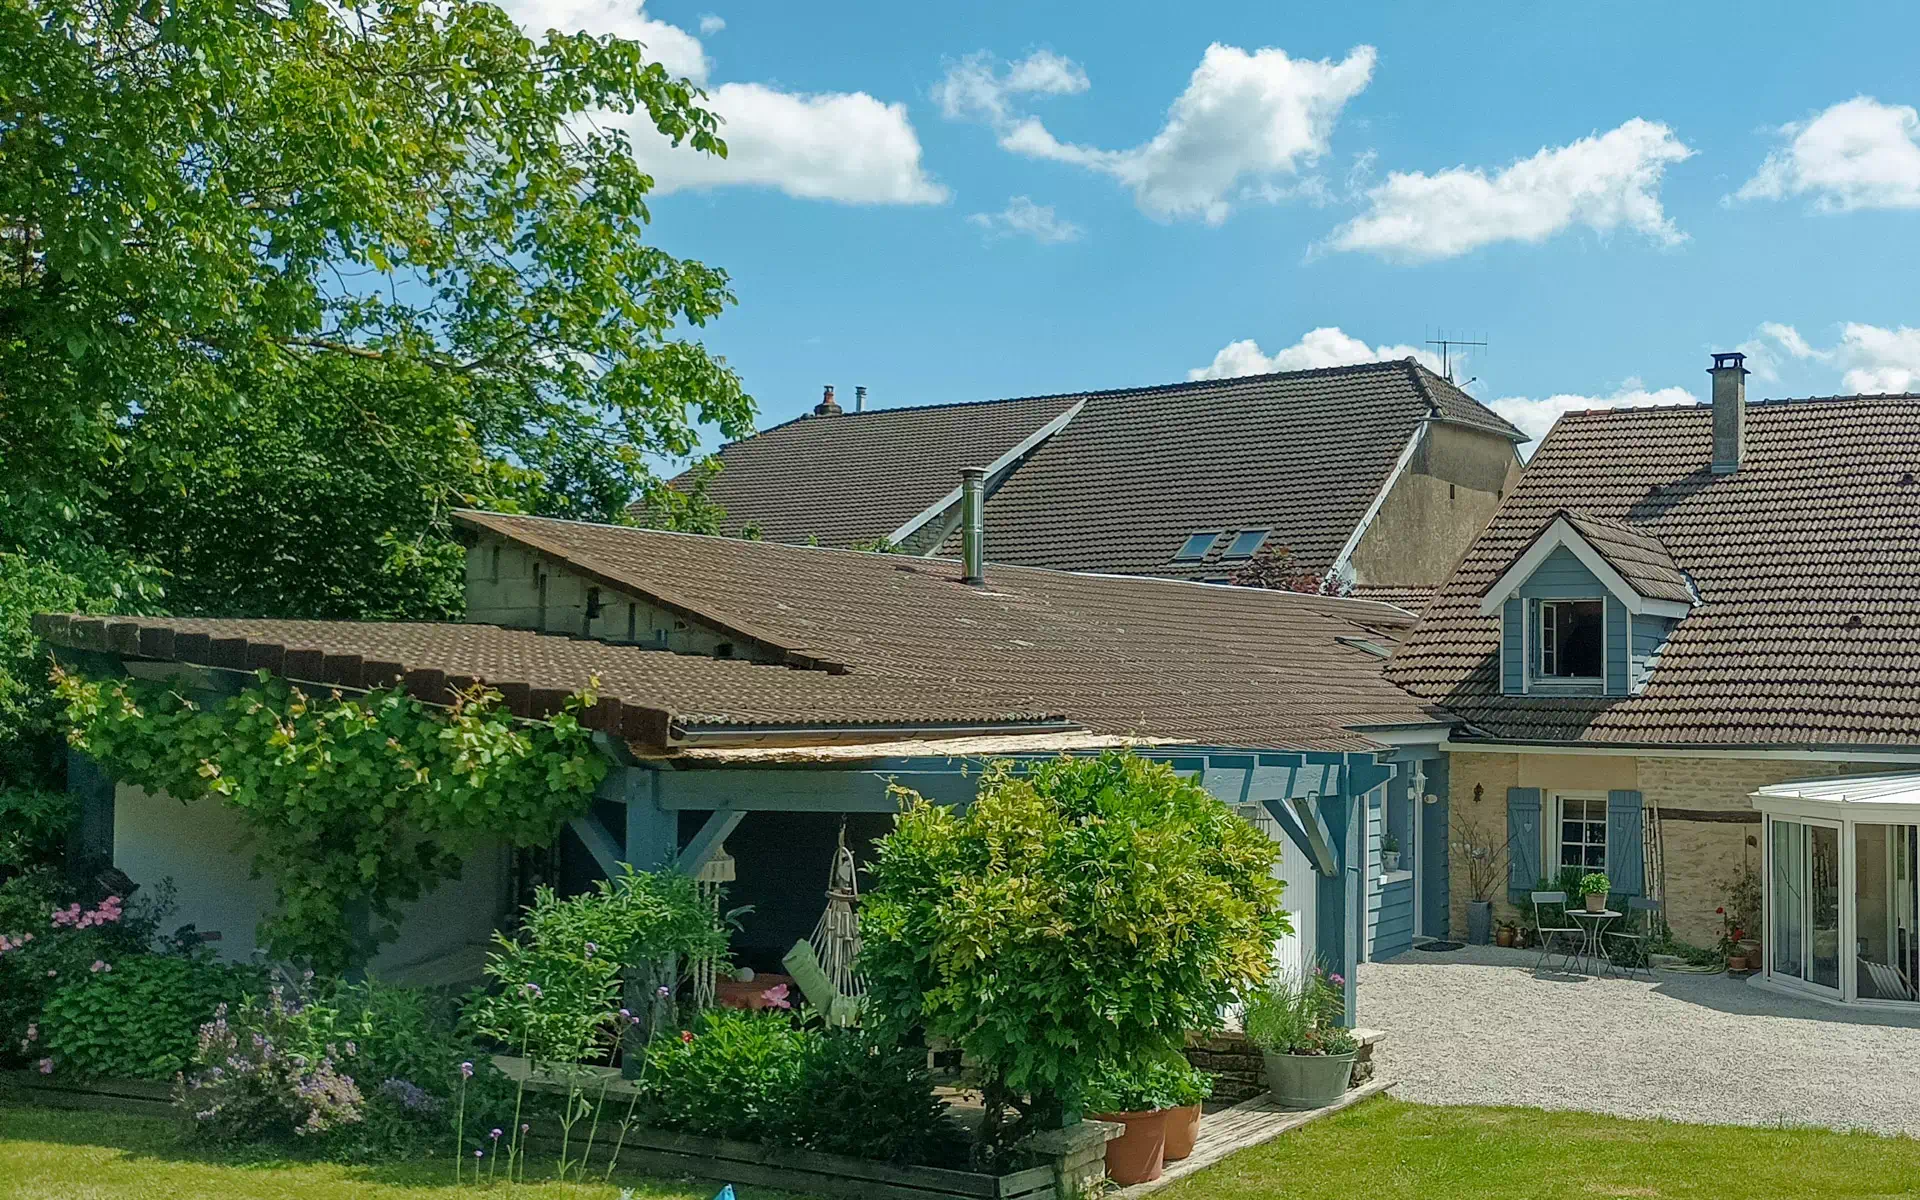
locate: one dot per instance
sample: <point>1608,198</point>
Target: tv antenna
<point>1446,345</point>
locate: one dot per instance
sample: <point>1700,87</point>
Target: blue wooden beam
<point>599,843</point>
<point>806,790</point>
<point>1321,843</point>
<point>1289,825</point>
<point>706,843</point>
<point>653,831</point>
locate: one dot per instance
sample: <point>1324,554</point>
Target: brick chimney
<point>1729,411</point>
<point>826,407</point>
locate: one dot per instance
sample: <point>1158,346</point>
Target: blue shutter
<point>1626,856</point>
<point>1523,839</point>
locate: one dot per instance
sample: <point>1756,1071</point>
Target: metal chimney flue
<point>860,399</point>
<point>973,526</point>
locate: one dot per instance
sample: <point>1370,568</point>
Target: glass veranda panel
<point>1887,911</point>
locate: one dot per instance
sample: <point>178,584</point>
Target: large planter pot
<point>1479,922</point>
<point>1390,860</point>
<point>1596,902</point>
<point>1183,1130</point>
<point>1137,1155</point>
<point>1307,1080</point>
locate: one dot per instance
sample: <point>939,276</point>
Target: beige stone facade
<point>1695,855</point>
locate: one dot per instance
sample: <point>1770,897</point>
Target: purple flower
<point>1338,979</point>
<point>46,1066</point>
<point>466,1070</point>
<point>524,1128</point>
<point>496,1135</point>
<point>590,949</point>
<point>663,991</point>
<point>479,1153</point>
<point>533,989</point>
<point>626,1015</point>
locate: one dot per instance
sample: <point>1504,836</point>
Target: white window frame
<point>1555,835</point>
<point>1534,646</point>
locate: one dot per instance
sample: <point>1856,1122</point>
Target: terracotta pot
<point>1137,1155</point>
<point>1736,962</point>
<point>1183,1129</point>
<point>1596,902</point>
<point>1503,938</point>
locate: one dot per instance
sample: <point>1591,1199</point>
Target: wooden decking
<point>1245,1124</point>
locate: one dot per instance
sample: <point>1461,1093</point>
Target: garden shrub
<point>1084,909</point>
<point>138,1018</point>
<point>269,1073</point>
<point>408,1046</point>
<point>733,1075</point>
<point>867,1098</point>
<point>1159,1081</point>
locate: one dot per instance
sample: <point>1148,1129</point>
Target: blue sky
<point>959,202</point>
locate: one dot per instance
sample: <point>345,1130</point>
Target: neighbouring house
<point>1376,476</point>
<point>759,699</point>
<point>1683,628</point>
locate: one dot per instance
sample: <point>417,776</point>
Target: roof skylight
<point>1197,546</point>
<point>1245,543</point>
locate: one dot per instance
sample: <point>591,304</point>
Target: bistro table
<point>1595,923</point>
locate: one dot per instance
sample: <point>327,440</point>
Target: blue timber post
<point>652,843</point>
<point>1342,909</point>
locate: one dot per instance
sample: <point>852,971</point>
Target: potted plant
<point>1188,1087</point>
<point>1594,885</point>
<point>1483,858</point>
<point>1142,1097</point>
<point>1308,1056</point>
<point>1389,852</point>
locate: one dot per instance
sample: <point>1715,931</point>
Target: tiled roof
<point>1638,555</point>
<point>1128,480</point>
<point>1231,666</point>
<point>1412,599</point>
<point>641,690</point>
<point>1807,562</point>
<point>859,476</point>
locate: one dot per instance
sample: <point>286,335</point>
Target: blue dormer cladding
<point>1560,576</point>
<point>1649,638</point>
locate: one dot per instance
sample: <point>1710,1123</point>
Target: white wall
<point>208,852</point>
<point>1296,952</point>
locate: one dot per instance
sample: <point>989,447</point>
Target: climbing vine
<point>365,800</point>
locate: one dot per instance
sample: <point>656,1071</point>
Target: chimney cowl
<point>860,398</point>
<point>1729,411</point>
<point>826,407</point>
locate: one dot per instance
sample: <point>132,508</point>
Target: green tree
<point>1087,910</point>
<point>281,282</point>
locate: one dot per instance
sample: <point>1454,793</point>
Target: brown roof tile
<point>651,687</point>
<point>1807,563</point>
<point>1134,474</point>
<point>1232,666</point>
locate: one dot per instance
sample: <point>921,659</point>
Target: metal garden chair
<point>1636,934</point>
<point>1571,939</point>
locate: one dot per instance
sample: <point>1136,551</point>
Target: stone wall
<point>1699,855</point>
<point>1239,1073</point>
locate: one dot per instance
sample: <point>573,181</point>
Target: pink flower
<point>776,997</point>
<point>99,966</point>
<point>46,1066</point>
<point>686,1036</point>
<point>466,1070</point>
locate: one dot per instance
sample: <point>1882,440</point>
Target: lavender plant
<point>261,1079</point>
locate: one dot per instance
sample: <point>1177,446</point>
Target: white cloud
<point>1535,417</point>
<point>711,23</point>
<point>670,46</point>
<point>1873,359</point>
<point>977,89</point>
<point>1243,119</point>
<point>1603,182</point>
<point>844,146</point>
<point>1022,217</point>
<point>1857,154</point>
<point>1327,346</point>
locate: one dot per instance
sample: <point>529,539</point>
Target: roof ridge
<point>1422,373</point>
<point>809,415</point>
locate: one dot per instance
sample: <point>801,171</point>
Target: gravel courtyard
<point>1478,1026</point>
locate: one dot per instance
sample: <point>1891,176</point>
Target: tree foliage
<point>1087,910</point>
<point>1273,568</point>
<point>370,800</point>
<point>282,282</point>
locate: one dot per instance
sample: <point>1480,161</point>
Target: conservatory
<point>1842,892</point>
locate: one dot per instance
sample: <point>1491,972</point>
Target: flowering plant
<point>1289,1015</point>
<point>260,1079</point>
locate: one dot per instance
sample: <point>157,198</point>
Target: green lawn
<point>1385,1149</point>
<point>47,1154</point>
<point>1382,1150</point>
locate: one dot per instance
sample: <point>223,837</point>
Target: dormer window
<point>1572,641</point>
